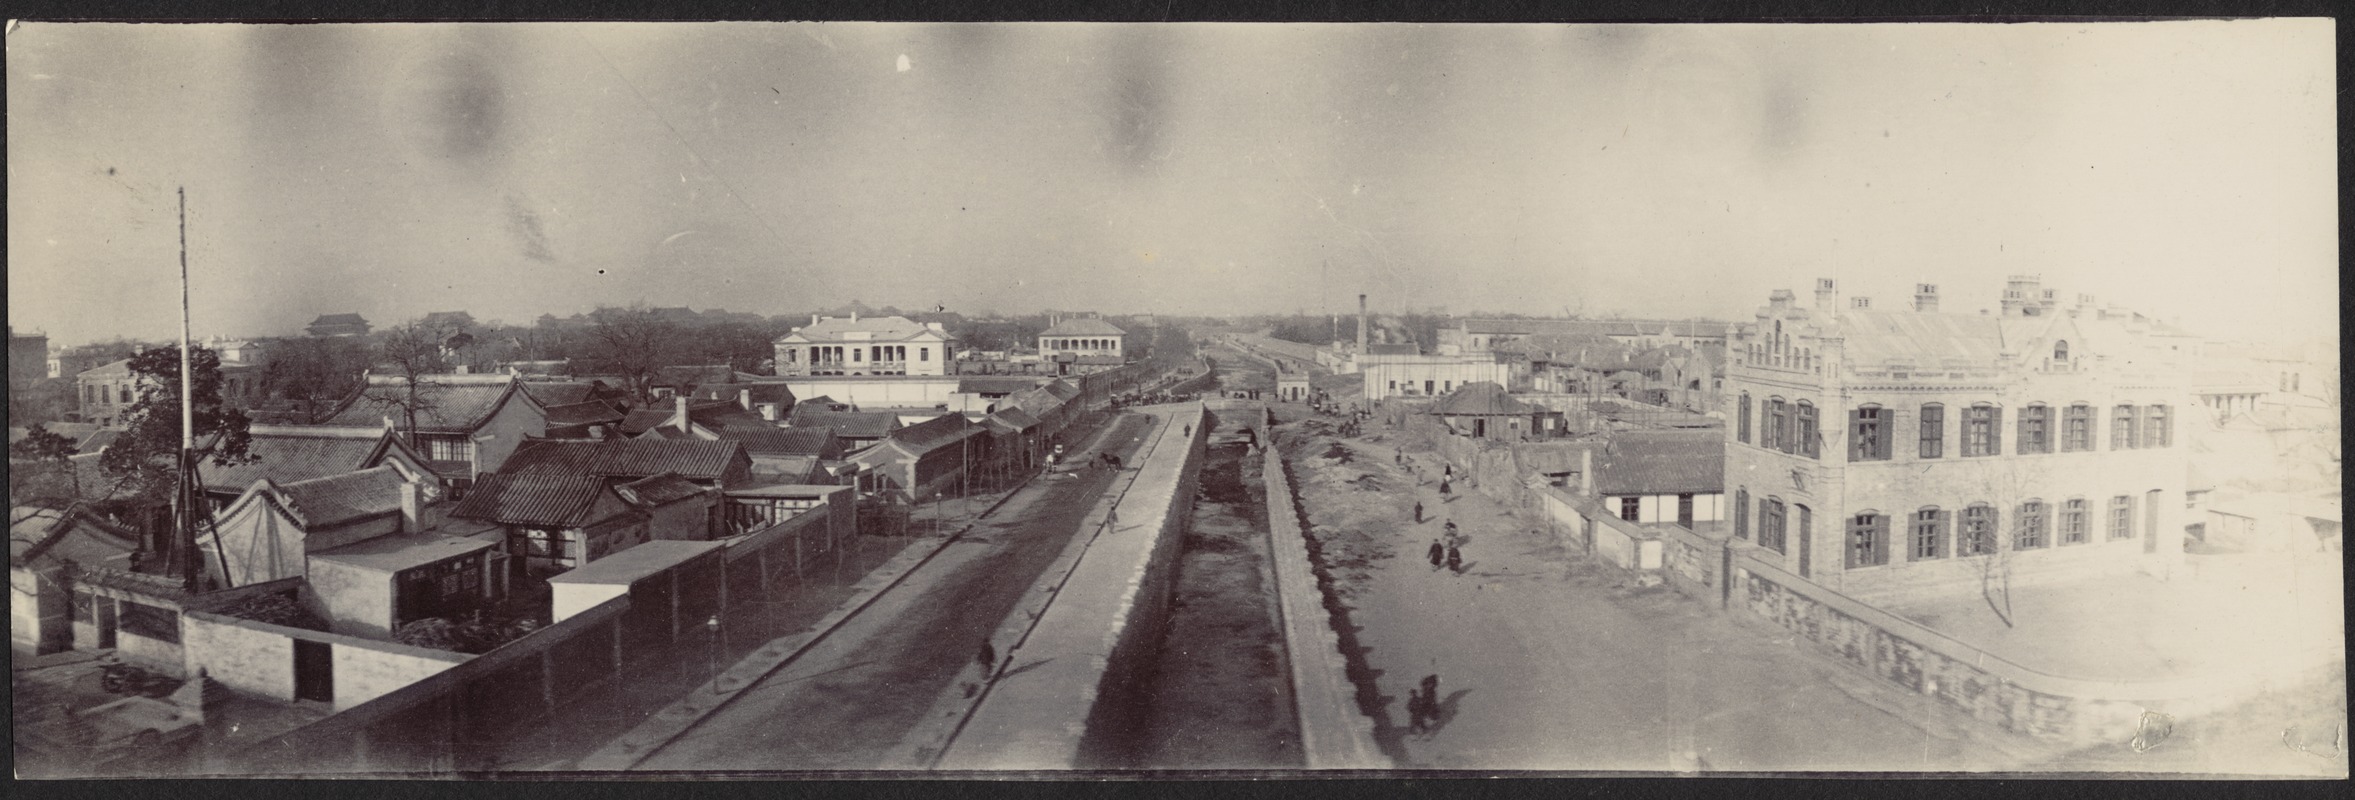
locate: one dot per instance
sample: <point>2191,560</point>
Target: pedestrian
<point>1189,430</point>
<point>1455,559</point>
<point>1418,512</point>
<point>1431,690</point>
<point>1445,493</point>
<point>1418,711</point>
<point>1451,471</point>
<point>1438,555</point>
<point>1401,457</point>
<point>988,655</point>
<point>1451,531</point>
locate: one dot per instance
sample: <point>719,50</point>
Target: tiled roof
<point>565,501</point>
<point>1061,389</point>
<point>1661,462</point>
<point>455,403</point>
<point>75,535</point>
<point>1011,420</point>
<point>1083,326</point>
<point>659,490</point>
<point>557,393</point>
<point>762,392</point>
<point>1484,398</point>
<point>995,384</point>
<point>339,319</point>
<point>696,459</point>
<point>930,434</point>
<point>644,419</point>
<point>337,499</point>
<point>848,424</point>
<point>291,453</point>
<point>587,412</point>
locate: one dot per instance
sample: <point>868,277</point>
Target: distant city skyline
<point>2183,169</point>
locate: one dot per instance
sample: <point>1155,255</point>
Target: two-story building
<point>1891,454</point>
<point>464,425</point>
<point>1080,345</point>
<point>855,345</point>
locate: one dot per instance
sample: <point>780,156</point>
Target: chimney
<point>1780,300</point>
<point>679,401</point>
<point>1827,295</point>
<point>814,319</point>
<point>1361,324</point>
<point>744,399</point>
<point>1925,297</point>
<point>412,508</point>
<point>1586,472</point>
<point>1860,303</point>
<point>2048,303</point>
<point>854,314</point>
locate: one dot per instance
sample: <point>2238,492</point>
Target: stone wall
<point>1334,732</point>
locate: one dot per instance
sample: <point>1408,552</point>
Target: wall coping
<point>2084,688</point>
<point>323,637</point>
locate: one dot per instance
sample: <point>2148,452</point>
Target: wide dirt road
<point>846,703</point>
<point>1548,662</point>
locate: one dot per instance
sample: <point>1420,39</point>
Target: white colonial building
<point>864,346</point>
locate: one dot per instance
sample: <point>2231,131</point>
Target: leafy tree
<point>143,458</point>
<point>44,400</point>
<point>41,479</point>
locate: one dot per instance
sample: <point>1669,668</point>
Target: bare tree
<point>315,373</point>
<point>632,343</point>
<point>410,352</point>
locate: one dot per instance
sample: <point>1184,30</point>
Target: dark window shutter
<point>1995,432</point>
<point>1856,442</point>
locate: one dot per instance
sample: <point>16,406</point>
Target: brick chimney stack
<point>1925,297</point>
<point>680,402</point>
<point>1827,295</point>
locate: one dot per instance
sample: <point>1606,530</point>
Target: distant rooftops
<point>1083,326</point>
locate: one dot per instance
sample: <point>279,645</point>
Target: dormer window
<point>2060,352</point>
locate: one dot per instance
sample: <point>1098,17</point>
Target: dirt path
<point>1221,698</point>
<point>1547,660</point>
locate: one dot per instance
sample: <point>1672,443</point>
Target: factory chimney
<point>1361,324</point>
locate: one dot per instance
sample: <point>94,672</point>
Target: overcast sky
<point>2185,168</point>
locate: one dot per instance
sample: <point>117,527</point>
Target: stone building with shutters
<point>1903,453</point>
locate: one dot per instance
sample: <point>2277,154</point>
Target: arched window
<point>1868,539</point>
<point>1929,533</point>
<point>1978,531</point>
<point>1982,430</point>
<point>1742,419</point>
<point>2074,522</point>
<point>1868,433</point>
<point>2060,352</point>
<point>2122,428</point>
<point>1808,443</point>
<point>2077,428</point>
<point>1933,443</point>
<point>2122,517</point>
<point>2035,429</point>
<point>2032,526</point>
<point>1741,513</point>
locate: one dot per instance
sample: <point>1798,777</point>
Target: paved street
<point>848,701</point>
<point>1546,661</point>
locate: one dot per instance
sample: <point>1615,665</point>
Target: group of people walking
<point>1448,550</point>
<point>1423,709</point>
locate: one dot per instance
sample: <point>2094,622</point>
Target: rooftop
<point>551,500</point>
<point>875,329</point>
<point>351,496</point>
<point>452,403</point>
<point>1083,326</point>
<point>397,552</point>
<point>630,566</point>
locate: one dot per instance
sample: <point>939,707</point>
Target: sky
<point>2186,169</point>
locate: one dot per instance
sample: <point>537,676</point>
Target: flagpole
<point>185,497</point>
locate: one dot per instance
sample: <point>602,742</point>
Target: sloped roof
<point>98,541</point>
<point>799,441</point>
<point>659,490</point>
<point>1600,327</point>
<point>564,501</point>
<point>848,424</point>
<point>1083,326</point>
<point>946,429</point>
<point>878,329</point>
<point>1061,389</point>
<point>339,319</point>
<point>456,403</point>
<point>337,499</point>
<point>557,393</point>
<point>586,412</point>
<point>1661,462</point>
<point>1483,398</point>
<point>1011,420</point>
<point>642,420</point>
<point>113,369</point>
<point>762,391</point>
<point>995,384</point>
<point>288,454</point>
<point>1927,340</point>
<point>696,459</point>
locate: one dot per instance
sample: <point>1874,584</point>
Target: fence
<point>443,722</point>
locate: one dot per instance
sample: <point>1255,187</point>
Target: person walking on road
<point>1446,493</point>
<point>1455,559</point>
<point>1438,555</point>
<point>1418,512</point>
<point>1451,531</point>
<point>988,655</point>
